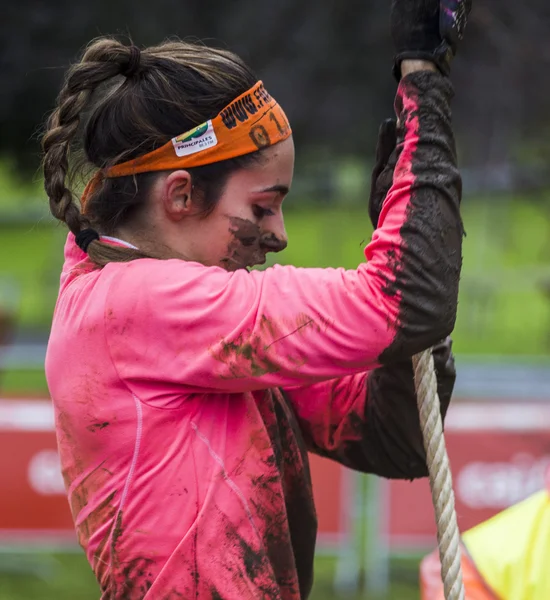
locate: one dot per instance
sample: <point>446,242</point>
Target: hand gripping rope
<point>439,470</point>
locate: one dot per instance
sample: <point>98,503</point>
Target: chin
<point>244,263</point>
<point>258,260</point>
<point>261,261</point>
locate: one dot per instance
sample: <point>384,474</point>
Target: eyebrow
<point>279,188</point>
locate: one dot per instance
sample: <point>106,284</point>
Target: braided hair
<point>118,103</point>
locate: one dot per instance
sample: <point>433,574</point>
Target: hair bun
<point>134,63</point>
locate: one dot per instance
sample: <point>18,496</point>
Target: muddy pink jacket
<point>187,397</point>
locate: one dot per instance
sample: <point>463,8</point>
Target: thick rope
<point>439,470</point>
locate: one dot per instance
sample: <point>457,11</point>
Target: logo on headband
<point>197,139</point>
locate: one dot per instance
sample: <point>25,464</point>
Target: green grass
<point>46,577</point>
<point>30,260</point>
<point>52,576</point>
<point>21,382</point>
<point>19,192</point>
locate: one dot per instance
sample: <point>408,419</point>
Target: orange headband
<point>251,122</point>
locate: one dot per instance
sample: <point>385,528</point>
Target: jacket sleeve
<point>369,421</point>
<point>184,324</point>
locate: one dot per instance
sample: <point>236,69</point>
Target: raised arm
<point>427,276</point>
<point>369,422</point>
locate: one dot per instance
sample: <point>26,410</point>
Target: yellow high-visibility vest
<point>512,550</point>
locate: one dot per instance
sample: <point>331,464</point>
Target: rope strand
<point>439,469</point>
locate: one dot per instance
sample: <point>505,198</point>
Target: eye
<point>260,211</point>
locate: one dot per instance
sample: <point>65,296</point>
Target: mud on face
<point>249,245</point>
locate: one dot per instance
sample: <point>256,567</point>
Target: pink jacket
<point>187,397</point>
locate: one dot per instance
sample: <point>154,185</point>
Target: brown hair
<point>117,104</point>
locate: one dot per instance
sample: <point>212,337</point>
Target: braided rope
<point>439,470</point>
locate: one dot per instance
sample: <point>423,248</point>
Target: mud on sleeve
<point>180,323</point>
<point>427,265</point>
<point>369,422</point>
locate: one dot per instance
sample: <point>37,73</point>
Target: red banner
<point>33,503</point>
<point>499,455</point>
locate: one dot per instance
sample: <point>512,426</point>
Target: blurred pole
<point>377,550</point>
<point>348,565</point>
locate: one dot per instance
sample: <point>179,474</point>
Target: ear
<point>176,195</point>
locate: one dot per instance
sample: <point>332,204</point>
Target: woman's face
<point>247,221</point>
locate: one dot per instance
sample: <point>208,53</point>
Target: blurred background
<point>328,62</point>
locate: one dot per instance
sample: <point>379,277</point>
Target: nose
<point>276,238</point>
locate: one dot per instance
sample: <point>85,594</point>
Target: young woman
<point>189,390</point>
